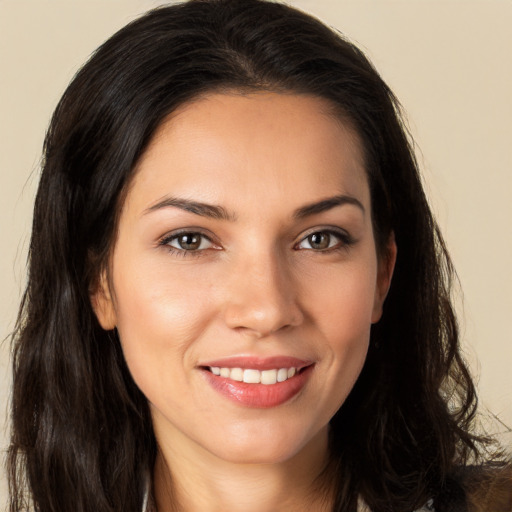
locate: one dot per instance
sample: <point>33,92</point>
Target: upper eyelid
<point>171,235</point>
<point>343,235</point>
<point>323,229</point>
<point>166,242</point>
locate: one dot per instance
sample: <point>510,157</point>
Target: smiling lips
<point>254,382</point>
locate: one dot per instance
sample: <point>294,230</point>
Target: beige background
<point>450,63</point>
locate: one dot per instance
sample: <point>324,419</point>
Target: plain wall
<point>449,62</point>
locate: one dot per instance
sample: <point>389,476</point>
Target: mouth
<point>254,376</point>
<point>263,387</point>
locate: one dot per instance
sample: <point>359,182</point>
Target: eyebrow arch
<point>203,209</point>
<point>326,204</point>
<point>218,212</point>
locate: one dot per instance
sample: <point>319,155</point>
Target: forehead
<point>224,147</point>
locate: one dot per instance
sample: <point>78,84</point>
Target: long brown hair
<point>82,438</point>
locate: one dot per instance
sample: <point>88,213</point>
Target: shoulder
<point>484,488</point>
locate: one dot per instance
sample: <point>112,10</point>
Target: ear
<point>102,303</point>
<point>385,269</point>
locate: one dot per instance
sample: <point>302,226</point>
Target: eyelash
<point>345,242</point>
<point>166,241</point>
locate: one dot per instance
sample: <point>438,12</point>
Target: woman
<point>238,297</point>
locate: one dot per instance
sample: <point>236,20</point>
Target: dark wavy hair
<point>82,437</point>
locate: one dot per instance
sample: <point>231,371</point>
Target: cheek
<point>341,299</point>
<point>349,325</point>
<point>159,316</point>
<point>345,323</point>
<point>342,311</point>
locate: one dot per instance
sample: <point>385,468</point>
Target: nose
<point>261,296</point>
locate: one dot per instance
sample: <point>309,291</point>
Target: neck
<point>189,482</point>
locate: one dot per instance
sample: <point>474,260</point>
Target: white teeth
<point>269,376</point>
<point>282,374</point>
<point>250,376</point>
<point>237,374</point>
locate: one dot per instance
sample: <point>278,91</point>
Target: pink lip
<point>259,395</point>
<point>258,363</point>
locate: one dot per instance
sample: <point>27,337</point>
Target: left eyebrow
<point>327,204</point>
<point>203,209</point>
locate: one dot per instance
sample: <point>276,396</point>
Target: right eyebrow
<point>212,211</point>
<point>327,204</point>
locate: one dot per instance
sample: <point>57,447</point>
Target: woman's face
<point>244,278</point>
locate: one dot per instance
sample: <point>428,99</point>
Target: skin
<point>256,286</point>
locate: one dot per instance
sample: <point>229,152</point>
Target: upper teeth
<point>255,376</point>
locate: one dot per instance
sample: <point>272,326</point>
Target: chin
<point>270,445</point>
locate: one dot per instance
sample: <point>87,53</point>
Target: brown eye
<point>325,240</point>
<point>188,242</point>
<point>319,241</point>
